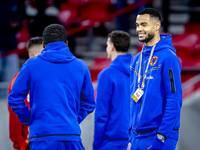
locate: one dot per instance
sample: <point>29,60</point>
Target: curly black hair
<point>54,33</point>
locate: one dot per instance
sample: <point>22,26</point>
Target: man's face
<point>145,27</point>
<point>109,48</point>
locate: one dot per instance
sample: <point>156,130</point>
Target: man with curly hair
<point>61,94</point>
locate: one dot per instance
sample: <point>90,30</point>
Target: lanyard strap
<point>139,76</point>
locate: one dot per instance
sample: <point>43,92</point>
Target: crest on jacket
<point>153,60</point>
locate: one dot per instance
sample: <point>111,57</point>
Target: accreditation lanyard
<point>145,74</point>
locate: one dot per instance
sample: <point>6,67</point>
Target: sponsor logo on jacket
<point>150,77</point>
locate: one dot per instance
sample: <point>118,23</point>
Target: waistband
<point>56,137</point>
<point>146,133</point>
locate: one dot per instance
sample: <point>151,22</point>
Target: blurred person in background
<point>11,23</point>
<point>112,114</point>
<point>61,94</point>
<point>18,132</point>
<point>47,13</point>
<point>123,20</point>
<point>156,91</point>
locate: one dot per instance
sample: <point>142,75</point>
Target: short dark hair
<point>120,39</point>
<point>54,33</point>
<point>153,13</point>
<point>33,41</point>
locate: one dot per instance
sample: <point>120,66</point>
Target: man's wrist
<point>161,137</point>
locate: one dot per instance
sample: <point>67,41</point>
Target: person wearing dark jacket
<point>112,114</point>
<point>61,94</point>
<point>156,92</point>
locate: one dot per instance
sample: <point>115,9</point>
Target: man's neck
<point>114,56</point>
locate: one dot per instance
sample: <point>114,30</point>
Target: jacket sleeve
<point>18,132</point>
<point>87,101</point>
<point>16,98</point>
<point>15,129</point>
<point>104,94</point>
<point>173,92</point>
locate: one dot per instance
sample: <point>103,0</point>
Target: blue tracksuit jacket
<point>159,108</point>
<point>112,114</point>
<point>61,94</point>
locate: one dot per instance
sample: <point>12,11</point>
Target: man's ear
<point>34,53</point>
<point>113,47</point>
<point>158,24</point>
<point>44,45</point>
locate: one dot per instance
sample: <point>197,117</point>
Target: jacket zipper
<point>142,79</point>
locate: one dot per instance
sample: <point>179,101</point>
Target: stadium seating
<point>69,13</point>
<point>95,10</point>
<point>188,50</point>
<point>98,64</point>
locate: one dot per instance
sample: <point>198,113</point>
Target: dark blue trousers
<point>56,145</point>
<point>113,145</point>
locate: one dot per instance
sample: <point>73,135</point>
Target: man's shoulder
<point>108,69</point>
<point>81,63</point>
<point>78,60</point>
<point>33,60</point>
<point>108,72</point>
<point>168,54</point>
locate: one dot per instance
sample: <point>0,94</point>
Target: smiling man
<point>156,92</point>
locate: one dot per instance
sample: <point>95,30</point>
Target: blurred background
<point>88,23</point>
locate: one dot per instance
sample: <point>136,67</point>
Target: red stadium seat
<point>188,50</point>
<point>95,10</point>
<point>98,64</point>
<point>187,45</point>
<point>69,13</point>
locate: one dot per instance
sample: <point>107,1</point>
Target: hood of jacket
<point>164,43</point>
<point>122,62</point>
<point>57,52</point>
